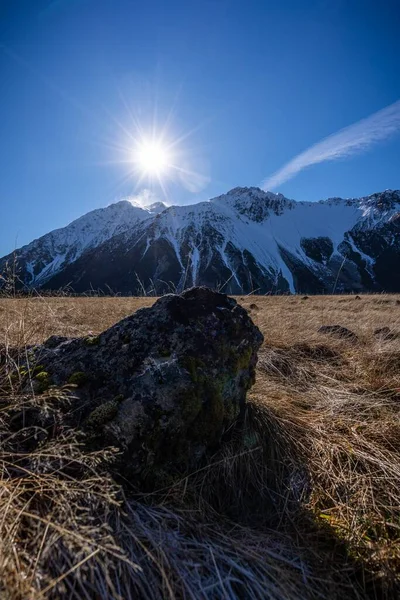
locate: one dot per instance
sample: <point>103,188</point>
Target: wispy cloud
<point>351,140</point>
<point>143,198</point>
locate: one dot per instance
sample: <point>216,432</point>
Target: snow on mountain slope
<point>243,241</point>
<point>284,226</point>
<point>49,254</point>
<point>251,226</point>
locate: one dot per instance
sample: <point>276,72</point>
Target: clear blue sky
<point>249,83</point>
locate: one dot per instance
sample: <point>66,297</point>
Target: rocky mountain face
<point>243,241</point>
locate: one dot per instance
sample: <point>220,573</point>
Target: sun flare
<point>158,159</point>
<point>152,158</point>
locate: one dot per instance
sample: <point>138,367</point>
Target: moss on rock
<point>193,365</point>
<point>103,414</point>
<point>243,360</point>
<point>92,340</point>
<point>44,381</point>
<point>78,378</point>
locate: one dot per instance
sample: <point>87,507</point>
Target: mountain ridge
<point>244,240</point>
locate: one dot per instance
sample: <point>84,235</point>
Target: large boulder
<point>162,385</point>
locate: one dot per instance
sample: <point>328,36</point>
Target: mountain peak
<point>153,208</point>
<point>254,203</point>
<point>156,207</point>
<point>255,192</point>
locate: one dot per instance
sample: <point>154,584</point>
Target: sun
<point>157,158</point>
<point>152,158</point>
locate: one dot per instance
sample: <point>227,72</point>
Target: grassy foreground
<point>305,505</point>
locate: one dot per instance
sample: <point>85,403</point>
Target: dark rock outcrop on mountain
<point>162,385</point>
<point>244,241</point>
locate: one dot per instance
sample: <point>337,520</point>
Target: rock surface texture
<point>164,384</point>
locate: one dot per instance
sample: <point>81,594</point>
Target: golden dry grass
<point>281,318</point>
<point>306,505</point>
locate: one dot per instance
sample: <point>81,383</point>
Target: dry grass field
<point>305,505</point>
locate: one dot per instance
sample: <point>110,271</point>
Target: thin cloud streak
<point>351,140</point>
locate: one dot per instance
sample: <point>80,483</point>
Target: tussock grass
<point>303,502</point>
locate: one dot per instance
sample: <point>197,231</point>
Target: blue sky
<point>247,84</point>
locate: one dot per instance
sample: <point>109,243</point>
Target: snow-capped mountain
<point>48,255</point>
<point>245,240</point>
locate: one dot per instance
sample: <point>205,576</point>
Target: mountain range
<point>244,241</point>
